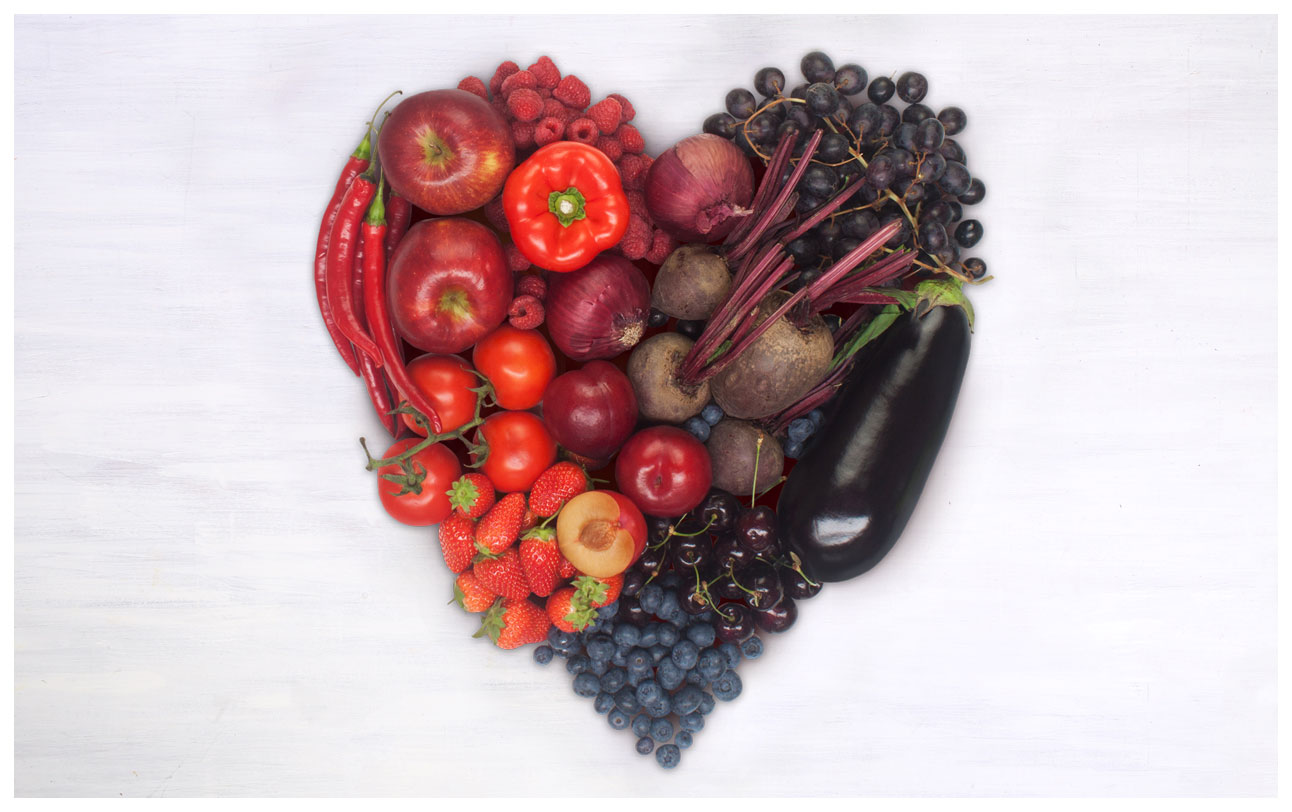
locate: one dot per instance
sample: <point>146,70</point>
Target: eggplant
<point>854,487</point>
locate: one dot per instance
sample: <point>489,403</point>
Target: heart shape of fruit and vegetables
<point>698,385</point>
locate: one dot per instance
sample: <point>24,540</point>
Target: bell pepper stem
<point>567,206</point>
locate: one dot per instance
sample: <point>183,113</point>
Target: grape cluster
<point>915,170</point>
<point>658,660</point>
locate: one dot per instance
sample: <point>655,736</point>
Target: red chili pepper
<point>565,205</point>
<point>340,264</point>
<point>375,308</point>
<point>359,161</point>
<point>399,213</point>
<point>372,375</point>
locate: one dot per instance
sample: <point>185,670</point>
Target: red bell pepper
<point>565,205</point>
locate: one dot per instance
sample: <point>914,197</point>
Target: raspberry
<point>626,111</point>
<point>632,170</point>
<point>553,108</point>
<point>544,93</point>
<point>606,114</point>
<point>637,239</point>
<point>517,80</point>
<point>583,130</point>
<point>473,84</point>
<point>610,147</point>
<point>497,217</point>
<point>531,284</point>
<point>637,204</point>
<point>548,130</point>
<point>500,105</point>
<point>661,245</point>
<point>630,139</point>
<point>504,70</point>
<point>522,132</point>
<point>573,92</point>
<point>525,104</point>
<point>545,72</point>
<point>525,312</point>
<point>516,261</point>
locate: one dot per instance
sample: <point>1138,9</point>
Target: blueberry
<point>578,664</point>
<point>617,719</point>
<point>627,636</point>
<point>727,687</point>
<point>645,745</point>
<point>686,700</point>
<point>669,676</point>
<point>706,703</point>
<point>563,643</point>
<point>649,637</point>
<point>608,611</point>
<point>752,648</point>
<point>598,667</point>
<point>693,721</point>
<point>686,654</point>
<point>683,739</point>
<point>712,414</point>
<point>626,700</point>
<point>603,703</point>
<point>636,678</point>
<point>658,652</point>
<point>659,708</point>
<point>648,691</point>
<point>800,429</point>
<point>817,417</point>
<point>710,664</point>
<point>792,449</point>
<point>642,725</point>
<point>543,655</point>
<point>731,653</point>
<point>694,677</point>
<point>698,428</point>
<point>661,730</point>
<point>667,635</point>
<point>668,756</point>
<point>702,634</point>
<point>621,657</point>
<point>613,680</point>
<point>670,581</point>
<point>601,647</point>
<point>587,685</point>
<point>650,596</point>
<point>639,659</point>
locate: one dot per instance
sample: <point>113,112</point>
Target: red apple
<point>664,470</point>
<point>446,151</point>
<point>449,284</point>
<point>591,411</point>
<point>601,533</point>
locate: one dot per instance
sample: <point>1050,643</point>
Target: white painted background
<point>210,600</point>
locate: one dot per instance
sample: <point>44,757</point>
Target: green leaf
<point>942,293</point>
<point>873,330</point>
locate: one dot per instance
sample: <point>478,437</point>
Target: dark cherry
<point>690,551</point>
<point>719,510</point>
<point>693,600</point>
<point>730,554</point>
<point>756,529</point>
<point>652,558</point>
<point>725,588</point>
<point>634,580</point>
<point>734,622</point>
<point>764,586</point>
<point>795,585</point>
<point>657,528</point>
<point>779,618</point>
<point>632,612</point>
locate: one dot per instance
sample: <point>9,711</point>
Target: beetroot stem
<point>750,240</point>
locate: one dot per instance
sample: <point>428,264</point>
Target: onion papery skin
<point>598,311</point>
<point>700,188</point>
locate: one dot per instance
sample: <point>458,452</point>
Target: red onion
<point>700,188</point>
<point>599,310</point>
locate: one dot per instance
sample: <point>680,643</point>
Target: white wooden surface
<point>210,600</point>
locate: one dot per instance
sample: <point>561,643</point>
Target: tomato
<point>447,381</point>
<point>519,363</point>
<point>431,506</point>
<point>520,448</point>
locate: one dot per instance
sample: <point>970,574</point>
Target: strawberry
<point>458,541</point>
<point>514,622</point>
<point>567,612</point>
<point>598,592</point>
<point>470,594</point>
<point>472,495</point>
<point>530,521</point>
<point>567,570</point>
<point>554,486</point>
<point>502,574</point>
<point>501,525</point>
<point>541,560</point>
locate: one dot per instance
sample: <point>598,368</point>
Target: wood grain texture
<point>210,600</point>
